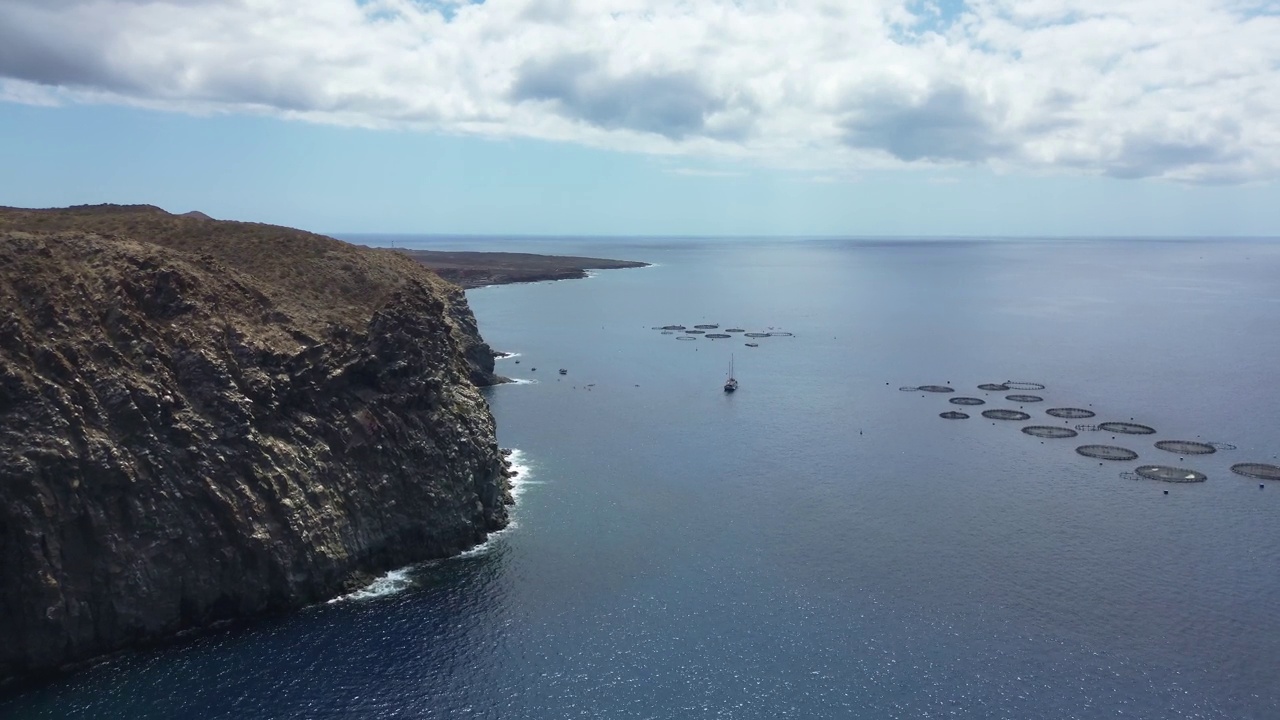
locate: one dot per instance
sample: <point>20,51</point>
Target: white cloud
<point>16,91</point>
<point>1187,90</point>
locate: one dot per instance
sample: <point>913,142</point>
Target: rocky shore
<point>205,420</point>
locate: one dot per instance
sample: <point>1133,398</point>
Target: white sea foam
<point>521,381</point>
<point>484,547</point>
<point>398,580</point>
<point>519,483</point>
<point>521,480</point>
<point>507,356</point>
<point>389,584</point>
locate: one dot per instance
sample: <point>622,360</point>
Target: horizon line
<point>798,236</point>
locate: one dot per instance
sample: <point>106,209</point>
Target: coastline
<point>473,269</point>
<point>267,465</point>
<point>411,357</point>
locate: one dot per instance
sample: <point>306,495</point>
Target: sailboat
<point>731,384</point>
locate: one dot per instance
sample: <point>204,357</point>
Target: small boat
<point>731,384</point>
<point>563,371</point>
<point>748,345</point>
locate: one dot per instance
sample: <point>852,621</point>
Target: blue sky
<point>976,119</point>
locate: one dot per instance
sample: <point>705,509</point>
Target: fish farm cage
<point>1002,414</point>
<point>1107,452</point>
<point>1070,413</point>
<point>1127,428</point>
<point>1154,472</point>
<point>1186,447</point>
<point>1165,473</point>
<point>1257,471</point>
<point>1049,431</point>
<point>703,328</point>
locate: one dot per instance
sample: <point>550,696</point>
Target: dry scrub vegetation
<point>310,281</point>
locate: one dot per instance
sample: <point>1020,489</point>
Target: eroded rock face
<point>178,447</point>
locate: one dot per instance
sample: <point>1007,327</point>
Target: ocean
<point>820,544</point>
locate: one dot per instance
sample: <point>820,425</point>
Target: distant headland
<point>478,269</point>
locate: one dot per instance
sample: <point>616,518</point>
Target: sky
<point>653,117</point>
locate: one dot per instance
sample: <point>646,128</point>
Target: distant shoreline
<point>471,269</point>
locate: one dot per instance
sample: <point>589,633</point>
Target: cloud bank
<point>1184,90</point>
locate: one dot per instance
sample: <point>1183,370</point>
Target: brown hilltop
<point>308,281</point>
<point>203,420</point>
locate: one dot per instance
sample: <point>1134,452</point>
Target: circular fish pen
<point>967,401</point>
<point>1049,431</point>
<point>781,334</point>
<point>1257,471</point>
<point>1107,452</point>
<point>909,388</point>
<point>1017,385</point>
<point>718,335</point>
<point>1002,414</point>
<point>1071,413</point>
<point>953,415</point>
<point>1186,447</point>
<point>672,327</point>
<point>687,337</point>
<point>1127,428</point>
<point>707,327</point>
<point>1024,398</point>
<point>756,334</point>
<point>695,332</point>
<point>735,330</point>
<point>1165,473</point>
<point>936,388</point>
<point>993,387</point>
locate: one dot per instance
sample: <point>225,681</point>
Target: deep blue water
<point>821,544</point>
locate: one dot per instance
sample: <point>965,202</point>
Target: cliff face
<point>203,420</point>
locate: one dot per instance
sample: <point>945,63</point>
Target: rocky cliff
<point>203,420</point>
